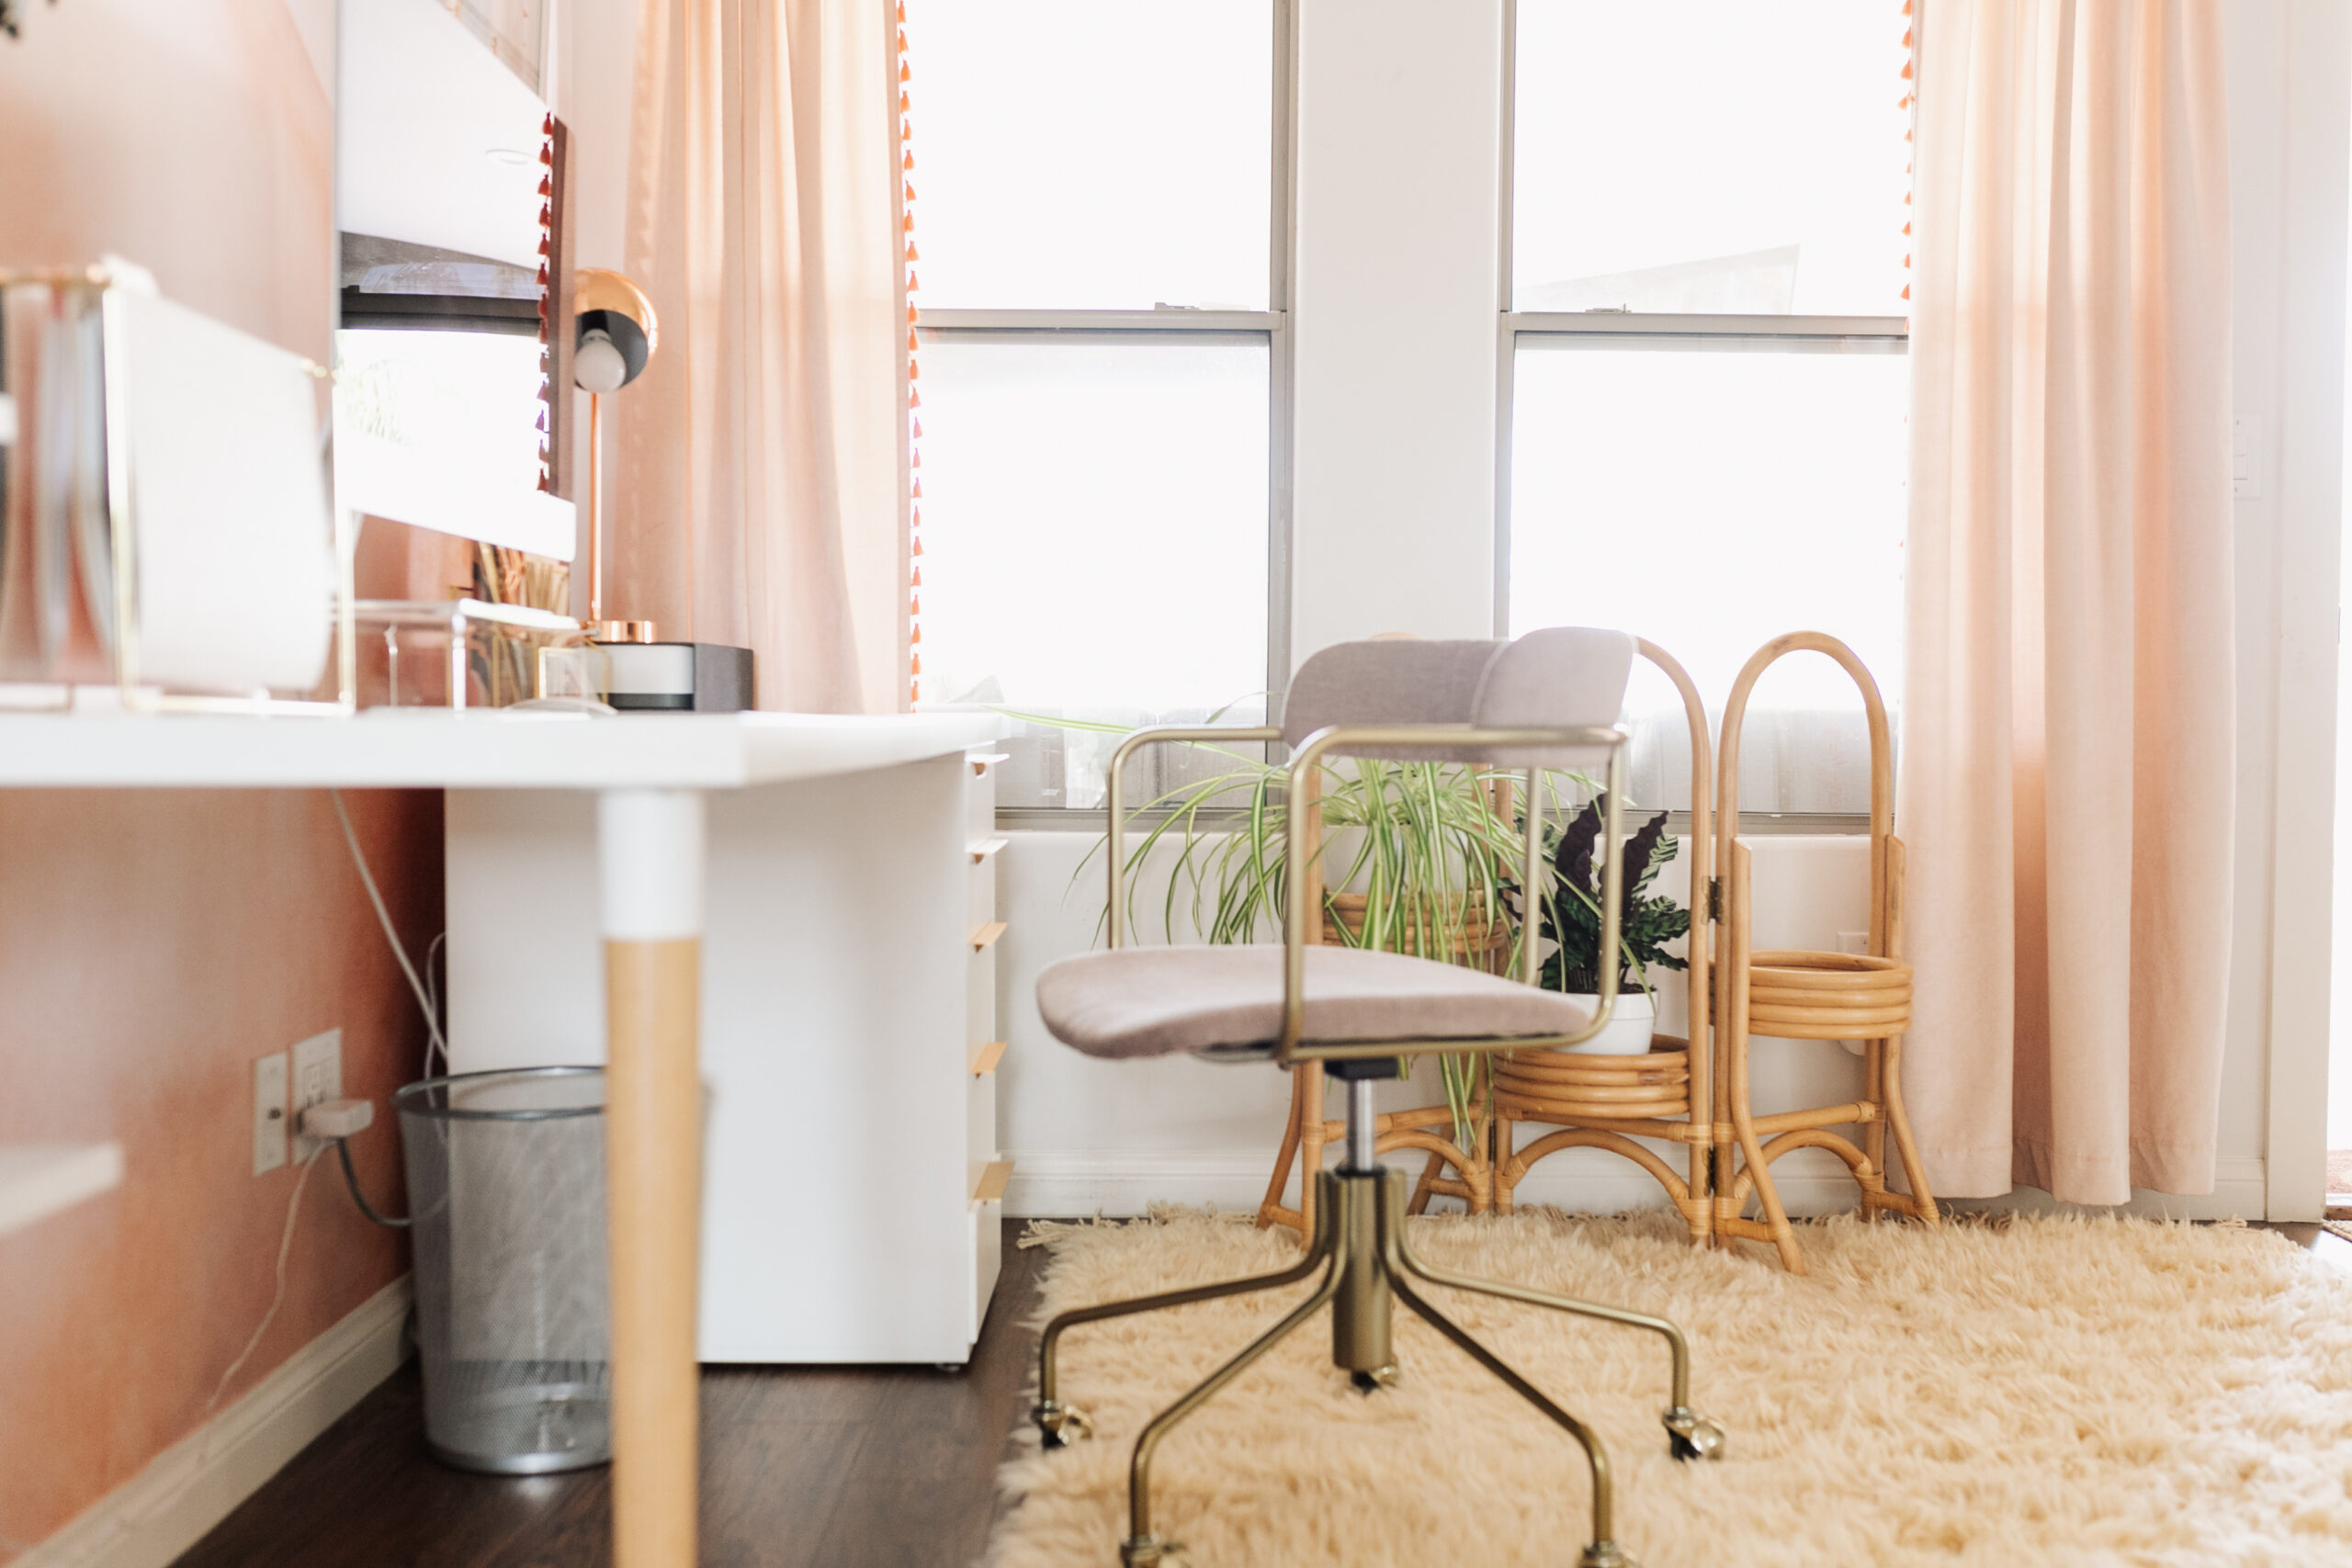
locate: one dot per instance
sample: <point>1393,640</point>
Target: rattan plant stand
<point>1811,996</point>
<point>1605,1103</point>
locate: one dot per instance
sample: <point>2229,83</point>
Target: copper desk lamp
<point>614,335</point>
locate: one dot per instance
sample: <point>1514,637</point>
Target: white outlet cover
<point>318,1078</point>
<point>269,1113</point>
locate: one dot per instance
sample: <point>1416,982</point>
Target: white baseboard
<point>167,1508</point>
<point>1066,1183</point>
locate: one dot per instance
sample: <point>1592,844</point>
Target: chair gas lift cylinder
<point>1548,700</point>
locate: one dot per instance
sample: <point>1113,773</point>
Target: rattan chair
<point>1546,700</point>
<point>1811,996</point>
<point>1606,1102</point>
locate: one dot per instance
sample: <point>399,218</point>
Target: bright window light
<point>1711,156</point>
<point>1710,494</point>
<point>1094,523</point>
<point>1072,154</point>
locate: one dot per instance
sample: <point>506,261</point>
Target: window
<point>1102,351</point>
<point>1708,399</point>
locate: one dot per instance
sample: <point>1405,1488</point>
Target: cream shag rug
<point>2036,1391</point>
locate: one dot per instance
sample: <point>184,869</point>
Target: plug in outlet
<point>318,1078</point>
<point>269,1113</point>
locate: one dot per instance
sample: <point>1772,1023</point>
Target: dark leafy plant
<point>1571,916</point>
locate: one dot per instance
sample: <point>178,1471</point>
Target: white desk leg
<point>650,847</point>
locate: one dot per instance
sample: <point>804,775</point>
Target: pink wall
<point>152,946</point>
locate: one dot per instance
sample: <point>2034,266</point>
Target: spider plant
<point>1432,849</point>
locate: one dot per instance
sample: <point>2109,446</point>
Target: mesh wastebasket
<point>507,1185</point>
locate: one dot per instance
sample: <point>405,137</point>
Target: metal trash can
<point>506,1189</point>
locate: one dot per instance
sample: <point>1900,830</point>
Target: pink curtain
<point>2068,769</point>
<point>759,481</point>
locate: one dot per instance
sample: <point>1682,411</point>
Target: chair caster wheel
<point>1606,1554</point>
<point>1690,1435</point>
<point>1375,1380</point>
<point>1150,1552</point>
<point>1061,1425</point>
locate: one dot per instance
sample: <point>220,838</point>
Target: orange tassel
<point>1906,291</point>
<point>1907,230</point>
<point>917,664</point>
<point>914,371</point>
<point>914,456</point>
<point>918,582</point>
<point>1906,38</point>
<point>910,224</point>
<point>904,74</point>
<point>547,215</point>
<point>914,634</point>
<point>917,492</point>
<point>1906,103</point>
<point>902,12</point>
<point>914,397</point>
<point>547,185</point>
<point>1907,71</point>
<point>914,284</point>
<point>911,313</point>
<point>915,608</point>
<point>917,547</point>
<point>911,190</point>
<point>906,159</point>
<point>902,108</point>
<point>911,344</point>
<point>918,430</point>
<point>543,274</point>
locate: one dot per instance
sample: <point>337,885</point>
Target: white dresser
<point>853,1186</point>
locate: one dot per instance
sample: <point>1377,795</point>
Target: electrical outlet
<point>269,1113</point>
<point>318,1078</point>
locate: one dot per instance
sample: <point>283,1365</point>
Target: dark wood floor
<point>843,1467</point>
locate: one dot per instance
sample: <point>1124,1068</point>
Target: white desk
<point>649,772</point>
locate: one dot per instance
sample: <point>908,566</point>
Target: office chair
<point>1547,700</point>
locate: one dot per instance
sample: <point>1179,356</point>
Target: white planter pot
<point>1631,1023</point>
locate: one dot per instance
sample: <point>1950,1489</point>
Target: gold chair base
<point>1359,1245</point>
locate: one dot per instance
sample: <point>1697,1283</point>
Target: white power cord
<point>384,918</point>
<point>425,1000</point>
<point>100,1550</point>
<point>12,1547</point>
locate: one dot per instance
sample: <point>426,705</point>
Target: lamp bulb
<point>598,365</point>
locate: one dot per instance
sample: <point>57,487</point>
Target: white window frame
<point>1270,325</point>
<point>1635,329</point>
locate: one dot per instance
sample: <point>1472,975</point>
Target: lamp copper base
<point>621,631</point>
